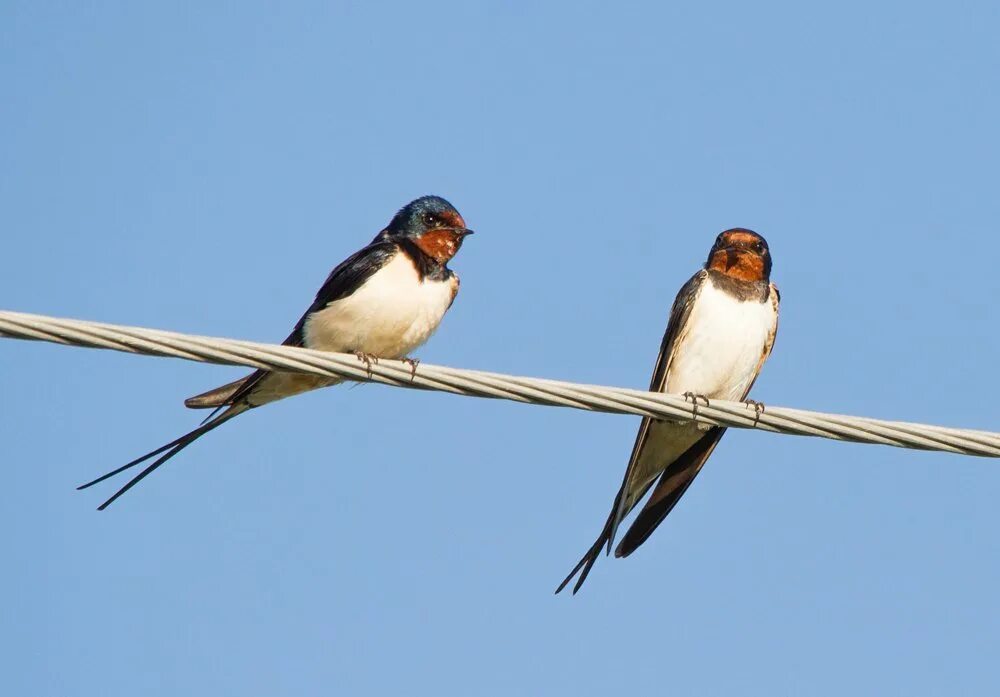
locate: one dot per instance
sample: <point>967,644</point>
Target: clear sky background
<point>202,168</point>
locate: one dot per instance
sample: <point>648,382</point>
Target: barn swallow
<point>721,330</point>
<point>381,302</point>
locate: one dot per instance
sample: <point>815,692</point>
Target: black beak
<point>731,257</point>
<point>464,231</point>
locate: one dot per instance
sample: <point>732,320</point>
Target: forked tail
<point>170,449</point>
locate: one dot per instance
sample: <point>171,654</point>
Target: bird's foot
<point>368,359</point>
<point>758,409</point>
<point>413,363</point>
<point>694,402</point>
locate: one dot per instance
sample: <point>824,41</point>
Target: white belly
<point>716,357</point>
<point>389,316</point>
<point>722,345</point>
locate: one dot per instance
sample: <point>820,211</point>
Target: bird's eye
<point>430,219</point>
<point>759,246</point>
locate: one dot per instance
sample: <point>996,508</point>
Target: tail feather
<point>584,565</point>
<point>622,506</point>
<point>589,558</point>
<point>218,397</point>
<point>672,485</point>
<point>170,449</point>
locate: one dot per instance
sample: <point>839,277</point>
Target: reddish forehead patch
<point>740,237</point>
<point>453,219</point>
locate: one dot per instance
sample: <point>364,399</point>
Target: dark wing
<point>774,297</point>
<point>342,281</point>
<point>680,312</point>
<point>676,327</point>
<point>679,474</point>
<point>669,488</point>
<point>346,278</point>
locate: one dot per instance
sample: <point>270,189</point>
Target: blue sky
<point>201,169</point>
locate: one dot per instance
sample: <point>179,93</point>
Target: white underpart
<point>716,357</point>
<point>389,316</point>
<point>722,345</point>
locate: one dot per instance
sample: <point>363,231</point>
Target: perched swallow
<point>381,302</point>
<point>721,330</point>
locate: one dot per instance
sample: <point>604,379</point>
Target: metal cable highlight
<point>474,383</point>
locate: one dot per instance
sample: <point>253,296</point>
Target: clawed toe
<point>758,409</point>
<point>694,402</point>
<point>413,363</point>
<point>368,359</point>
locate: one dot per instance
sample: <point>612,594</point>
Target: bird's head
<point>741,254</point>
<point>432,224</point>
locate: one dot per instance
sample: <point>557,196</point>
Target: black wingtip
<point>671,486</point>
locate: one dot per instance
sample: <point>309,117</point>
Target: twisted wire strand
<point>541,391</point>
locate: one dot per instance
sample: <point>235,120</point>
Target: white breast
<point>716,356</point>
<point>390,315</point>
<point>722,344</point>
